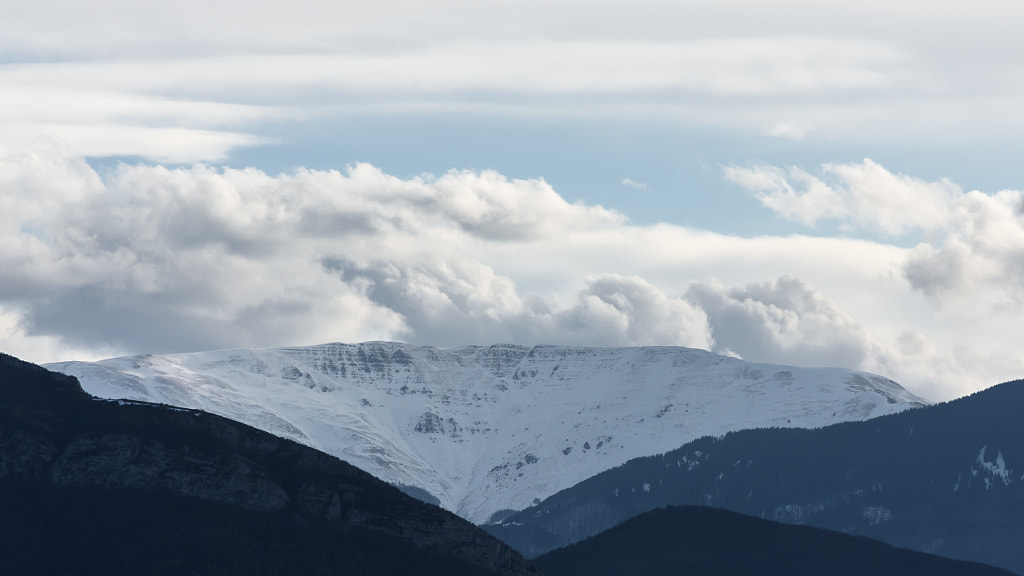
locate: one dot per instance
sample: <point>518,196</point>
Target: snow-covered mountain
<point>490,429</point>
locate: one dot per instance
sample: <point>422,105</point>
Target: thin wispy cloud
<point>862,195</point>
<point>113,83</point>
<point>971,242</point>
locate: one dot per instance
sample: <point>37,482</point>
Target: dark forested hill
<point>946,479</point>
<point>712,541</point>
<point>99,487</point>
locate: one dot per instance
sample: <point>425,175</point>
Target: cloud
<point>978,264</point>
<point>971,260</point>
<point>219,258</point>
<point>89,116</point>
<point>199,102</point>
<point>160,143</point>
<point>154,81</point>
<point>783,321</point>
<point>630,183</point>
<point>775,189</point>
<point>146,258</point>
<point>785,130</point>
<point>449,303</point>
<point>14,340</point>
<point>643,314</point>
<point>864,195</point>
<point>731,66</point>
<point>787,321</point>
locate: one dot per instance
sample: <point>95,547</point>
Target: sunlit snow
<point>486,429</point>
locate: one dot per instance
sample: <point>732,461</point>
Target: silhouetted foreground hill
<point>945,479</point>
<point>698,541</point>
<point>99,487</point>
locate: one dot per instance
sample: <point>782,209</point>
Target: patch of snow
<point>789,514</point>
<point>994,470</point>
<point>876,514</point>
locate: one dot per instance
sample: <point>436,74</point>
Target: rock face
<point>486,430</point>
<point>127,487</point>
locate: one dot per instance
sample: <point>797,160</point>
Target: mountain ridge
<point>703,540</point>
<point>487,430</point>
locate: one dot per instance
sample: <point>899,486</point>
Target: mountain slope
<point>90,486</point>
<point>491,429</point>
<point>691,540</point>
<point>946,479</point>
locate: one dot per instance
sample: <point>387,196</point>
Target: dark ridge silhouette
<point>106,487</point>
<point>695,540</point>
<point>945,479</point>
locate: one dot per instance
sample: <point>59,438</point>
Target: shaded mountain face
<point>487,430</point>
<point>692,540</point>
<point>946,479</point>
<point>90,486</point>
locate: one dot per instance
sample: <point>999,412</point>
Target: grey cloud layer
<point>149,258</point>
<point>160,83</point>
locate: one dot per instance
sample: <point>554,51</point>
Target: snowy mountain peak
<point>490,428</point>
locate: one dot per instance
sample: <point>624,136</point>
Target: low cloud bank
<point>153,259</point>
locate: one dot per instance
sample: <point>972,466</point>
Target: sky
<point>810,183</point>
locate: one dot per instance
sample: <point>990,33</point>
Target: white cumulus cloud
<point>977,265</point>
<point>864,195</point>
<point>970,259</point>
<point>147,258</point>
<point>782,320</point>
